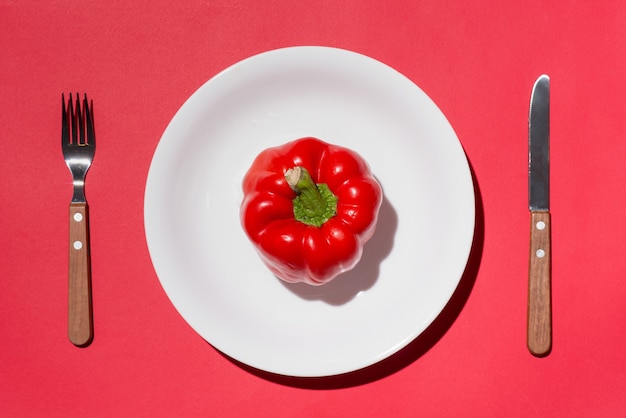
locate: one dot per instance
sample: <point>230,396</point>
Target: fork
<point>79,145</point>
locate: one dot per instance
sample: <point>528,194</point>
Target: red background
<point>141,60</point>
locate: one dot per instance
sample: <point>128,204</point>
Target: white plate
<point>209,269</point>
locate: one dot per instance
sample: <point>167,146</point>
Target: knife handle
<point>80,313</point>
<point>539,286</point>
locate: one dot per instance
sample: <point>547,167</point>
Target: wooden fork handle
<point>539,286</point>
<point>80,313</point>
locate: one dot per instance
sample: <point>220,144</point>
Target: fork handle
<point>80,312</point>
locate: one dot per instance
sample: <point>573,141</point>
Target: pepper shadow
<point>346,286</point>
<point>424,342</point>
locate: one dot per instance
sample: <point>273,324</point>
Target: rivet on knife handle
<point>539,286</point>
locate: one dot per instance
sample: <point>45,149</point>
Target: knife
<point>539,332</point>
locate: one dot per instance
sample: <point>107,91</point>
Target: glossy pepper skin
<point>292,249</point>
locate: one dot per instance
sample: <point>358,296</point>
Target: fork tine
<point>72,122</point>
<point>65,134</point>
<point>91,134</point>
<point>81,122</point>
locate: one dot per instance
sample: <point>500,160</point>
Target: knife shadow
<point>414,350</point>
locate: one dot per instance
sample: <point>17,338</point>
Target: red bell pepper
<point>309,207</point>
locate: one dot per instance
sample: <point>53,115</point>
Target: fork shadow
<point>414,350</point>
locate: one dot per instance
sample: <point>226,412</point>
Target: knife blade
<point>539,326</point>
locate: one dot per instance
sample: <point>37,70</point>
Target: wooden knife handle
<point>539,286</point>
<point>80,313</point>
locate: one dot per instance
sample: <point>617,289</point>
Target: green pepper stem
<point>314,203</point>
